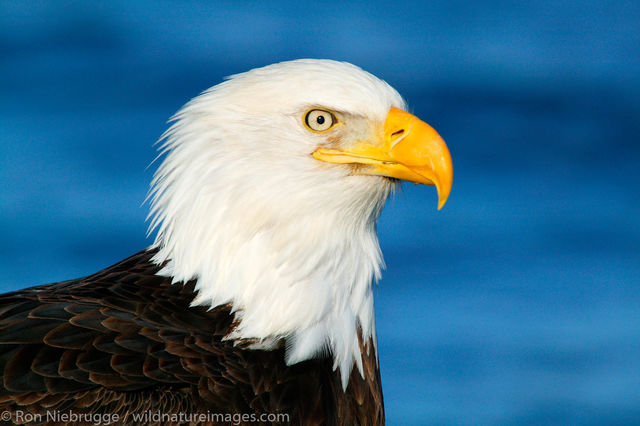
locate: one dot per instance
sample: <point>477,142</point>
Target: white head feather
<point>241,205</point>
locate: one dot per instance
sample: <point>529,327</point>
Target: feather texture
<point>126,340</point>
<point>241,206</point>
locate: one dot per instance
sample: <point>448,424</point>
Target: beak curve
<point>410,150</point>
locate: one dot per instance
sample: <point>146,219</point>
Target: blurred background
<point>518,303</point>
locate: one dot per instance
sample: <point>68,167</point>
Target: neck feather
<point>292,270</point>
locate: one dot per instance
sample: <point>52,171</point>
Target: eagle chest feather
<point>125,341</point>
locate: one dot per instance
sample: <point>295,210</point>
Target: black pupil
<point>320,119</point>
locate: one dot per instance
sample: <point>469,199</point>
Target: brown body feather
<point>126,340</point>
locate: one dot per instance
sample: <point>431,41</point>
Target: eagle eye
<point>319,120</point>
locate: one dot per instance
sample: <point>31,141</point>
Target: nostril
<point>396,137</point>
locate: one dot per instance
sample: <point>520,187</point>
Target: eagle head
<point>268,194</point>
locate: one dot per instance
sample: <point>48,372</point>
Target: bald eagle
<point>256,296</point>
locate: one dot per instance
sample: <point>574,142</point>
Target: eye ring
<point>319,120</point>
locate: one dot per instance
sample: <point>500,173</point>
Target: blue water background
<point>518,303</point>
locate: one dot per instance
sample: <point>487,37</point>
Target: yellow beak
<point>410,149</point>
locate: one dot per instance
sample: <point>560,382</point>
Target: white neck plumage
<point>295,263</point>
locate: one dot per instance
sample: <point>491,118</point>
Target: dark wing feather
<point>126,340</point>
